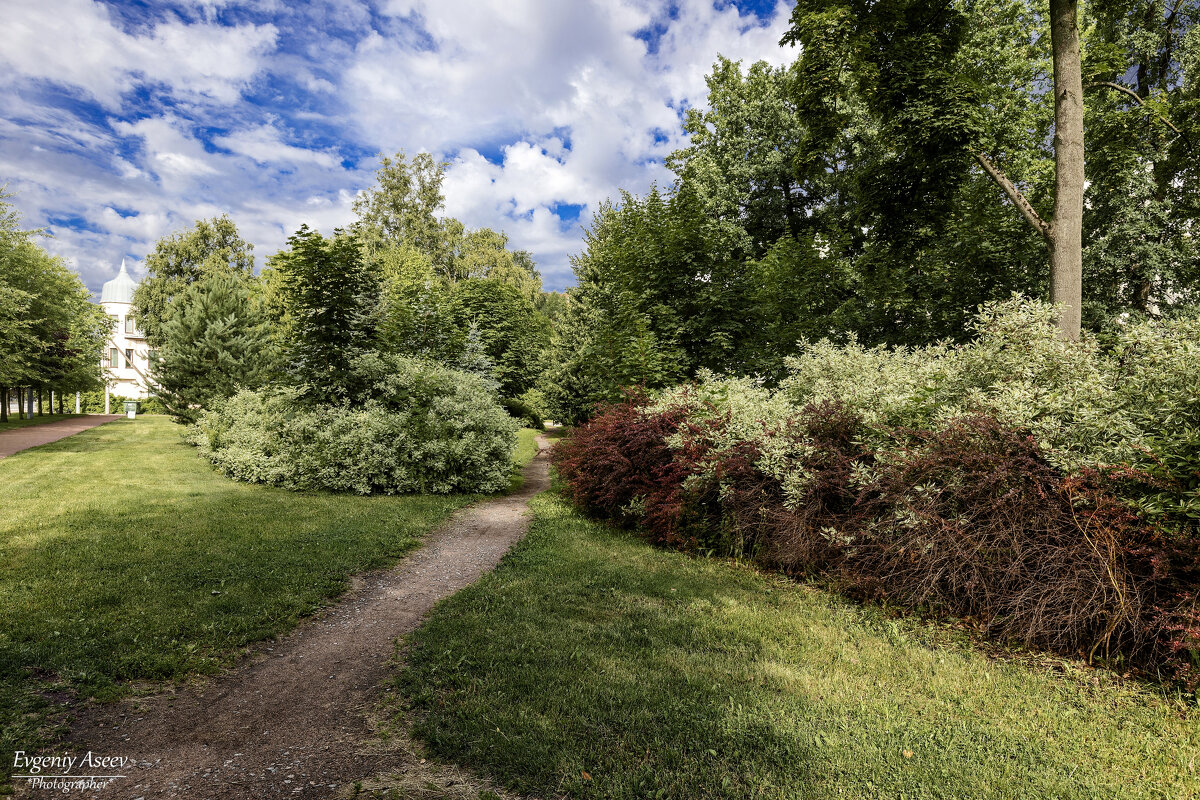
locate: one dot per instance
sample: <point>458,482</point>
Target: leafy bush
<point>1045,488</point>
<point>429,429</point>
<point>537,403</point>
<point>1136,401</point>
<point>152,405</point>
<point>518,410</point>
<point>972,520</point>
<point>620,466</point>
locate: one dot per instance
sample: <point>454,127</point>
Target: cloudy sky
<point>125,121</point>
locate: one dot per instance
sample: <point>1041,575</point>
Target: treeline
<point>393,356</point>
<point>867,189</point>
<point>51,334</point>
<point>401,281</point>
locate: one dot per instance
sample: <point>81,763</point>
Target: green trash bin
<point>131,408</point>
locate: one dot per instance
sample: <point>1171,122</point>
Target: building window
<point>129,357</point>
<point>129,326</point>
<point>113,361</point>
<point>116,322</point>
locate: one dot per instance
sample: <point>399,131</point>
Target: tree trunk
<point>1066,237</point>
<point>39,400</point>
<point>3,404</point>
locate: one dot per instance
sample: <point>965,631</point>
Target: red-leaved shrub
<point>970,520</point>
<point>611,464</point>
<point>973,521</point>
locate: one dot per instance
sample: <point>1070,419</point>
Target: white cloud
<point>531,73</point>
<point>265,145</point>
<point>76,43</point>
<point>565,98</point>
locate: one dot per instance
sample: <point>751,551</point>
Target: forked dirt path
<point>294,720</point>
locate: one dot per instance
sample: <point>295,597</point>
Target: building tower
<point>127,365</point>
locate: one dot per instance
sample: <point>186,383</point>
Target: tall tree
<point>50,331</point>
<point>1063,231</point>
<point>402,208</point>
<point>509,330</point>
<point>215,341</point>
<point>1142,86</point>
<point>332,300</point>
<point>211,246</point>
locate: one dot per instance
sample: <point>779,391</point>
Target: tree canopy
<point>910,164</point>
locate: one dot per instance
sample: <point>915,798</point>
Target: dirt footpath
<point>294,719</point>
<point>18,439</point>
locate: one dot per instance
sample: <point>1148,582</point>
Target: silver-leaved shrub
<point>426,429</point>
<point>1134,401</point>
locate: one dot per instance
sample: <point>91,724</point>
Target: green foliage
<point>1144,198</point>
<point>330,297</point>
<point>841,194</point>
<point>511,334</point>
<point>518,410</point>
<point>1135,400</point>
<point>179,260</point>
<point>51,334</point>
<point>428,429</point>
<point>215,341</point>
<point>484,253</point>
<point>401,208</point>
<point>595,352</point>
<point>417,309</point>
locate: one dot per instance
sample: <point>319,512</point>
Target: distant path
<point>295,719</point>
<point>18,439</point>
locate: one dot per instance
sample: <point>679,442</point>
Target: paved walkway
<point>18,439</point>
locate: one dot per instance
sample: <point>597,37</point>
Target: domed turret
<point>119,289</point>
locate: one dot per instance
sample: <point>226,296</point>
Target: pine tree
<point>215,341</point>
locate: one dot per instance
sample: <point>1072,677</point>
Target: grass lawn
<point>525,451</point>
<point>14,422</point>
<point>593,665</point>
<point>125,557</point>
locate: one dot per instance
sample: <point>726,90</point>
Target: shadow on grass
<point>592,665</point>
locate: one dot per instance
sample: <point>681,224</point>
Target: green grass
<point>13,422</point>
<point>524,452</point>
<point>593,665</point>
<point>124,557</point>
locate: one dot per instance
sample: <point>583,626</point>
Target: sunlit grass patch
<point>125,557</point>
<point>593,665</point>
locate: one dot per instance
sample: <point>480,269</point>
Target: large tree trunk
<point>1066,237</point>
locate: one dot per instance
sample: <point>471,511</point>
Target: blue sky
<point>125,121</point>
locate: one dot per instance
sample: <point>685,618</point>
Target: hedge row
<point>970,515</point>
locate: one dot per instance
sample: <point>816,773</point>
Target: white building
<point>127,365</point>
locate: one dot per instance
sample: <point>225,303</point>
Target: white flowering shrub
<point>427,429</point>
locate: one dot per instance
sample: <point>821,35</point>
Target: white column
<point>107,406</point>
<point>77,402</point>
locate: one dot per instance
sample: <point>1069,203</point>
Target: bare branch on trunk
<point>1014,194</point>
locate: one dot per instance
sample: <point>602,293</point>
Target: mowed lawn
<point>18,422</point>
<point>124,557</point>
<point>590,664</point>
